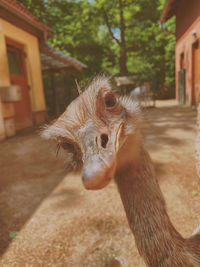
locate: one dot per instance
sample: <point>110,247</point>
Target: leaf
<point>13,234</point>
<point>194,192</point>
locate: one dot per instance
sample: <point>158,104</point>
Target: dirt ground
<point>61,224</point>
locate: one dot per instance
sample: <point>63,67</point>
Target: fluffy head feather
<point>88,112</point>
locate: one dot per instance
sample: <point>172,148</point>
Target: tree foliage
<point>117,37</point>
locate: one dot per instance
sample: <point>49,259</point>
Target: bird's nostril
<point>104,140</point>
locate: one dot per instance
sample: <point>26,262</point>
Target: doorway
<point>181,80</point>
<point>195,72</point>
<point>18,76</point>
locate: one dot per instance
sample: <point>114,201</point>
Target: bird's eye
<point>67,146</point>
<point>110,100</point>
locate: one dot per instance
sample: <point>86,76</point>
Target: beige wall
<point>4,78</point>
<point>33,62</point>
<point>4,72</point>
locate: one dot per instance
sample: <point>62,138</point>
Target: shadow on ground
<point>158,122</point>
<point>29,173</point>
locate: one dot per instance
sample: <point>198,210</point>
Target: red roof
<point>169,10</point>
<point>53,59</point>
<point>15,8</point>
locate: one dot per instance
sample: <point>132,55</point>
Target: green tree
<point>117,37</point>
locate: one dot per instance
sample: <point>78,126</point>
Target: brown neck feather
<point>157,240</point>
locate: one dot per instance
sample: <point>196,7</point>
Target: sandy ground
<point>59,223</point>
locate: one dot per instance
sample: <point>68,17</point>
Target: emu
<point>100,132</point>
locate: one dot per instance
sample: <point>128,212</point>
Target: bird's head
<point>93,129</point>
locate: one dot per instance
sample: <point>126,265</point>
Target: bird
<point>100,132</point>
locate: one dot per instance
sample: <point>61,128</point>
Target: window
<point>14,60</point>
<point>182,61</point>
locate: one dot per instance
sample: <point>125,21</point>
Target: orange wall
<point>184,45</point>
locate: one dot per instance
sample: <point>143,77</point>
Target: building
<point>187,47</point>
<point>23,56</point>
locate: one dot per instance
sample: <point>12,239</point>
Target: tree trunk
<point>123,58</point>
<point>122,61</point>
<point>122,42</point>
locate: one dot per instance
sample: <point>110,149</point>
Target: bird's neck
<point>156,238</point>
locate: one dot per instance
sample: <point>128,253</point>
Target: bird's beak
<point>97,172</point>
<point>99,163</point>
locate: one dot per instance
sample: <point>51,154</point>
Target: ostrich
<point>100,132</point>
